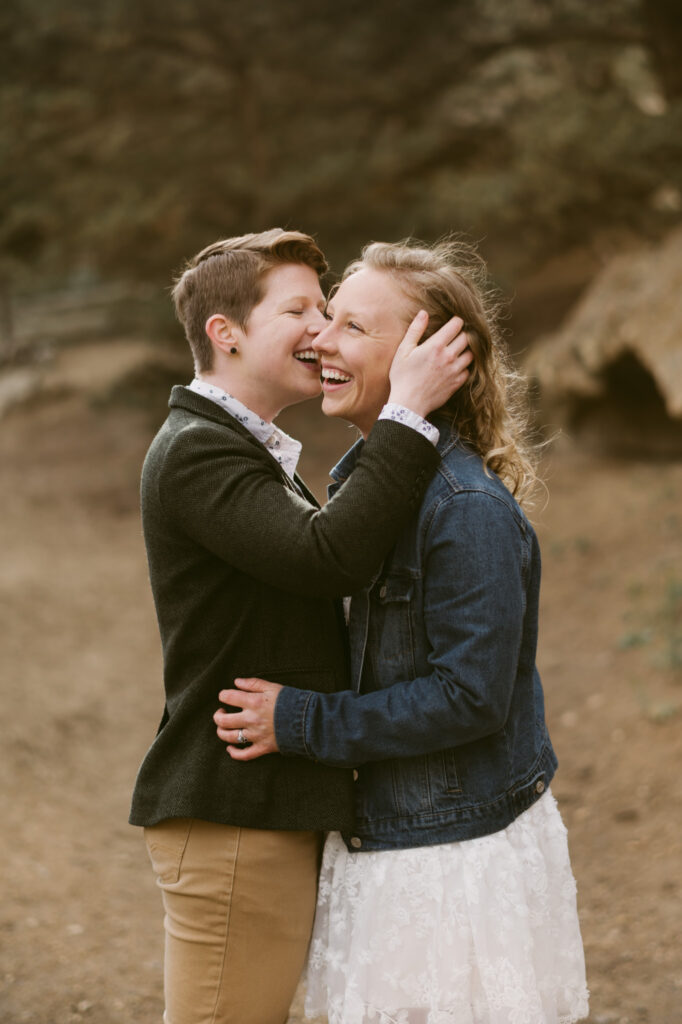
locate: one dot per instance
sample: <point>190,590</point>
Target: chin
<point>331,409</point>
<point>302,394</point>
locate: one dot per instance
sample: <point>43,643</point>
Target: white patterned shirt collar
<point>286,450</point>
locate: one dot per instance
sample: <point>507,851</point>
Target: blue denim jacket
<point>445,723</point>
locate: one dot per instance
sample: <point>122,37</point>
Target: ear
<point>221,331</point>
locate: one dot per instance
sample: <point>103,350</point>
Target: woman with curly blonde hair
<point>452,900</point>
<point>491,411</point>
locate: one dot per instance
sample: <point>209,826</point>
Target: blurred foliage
<point>133,132</point>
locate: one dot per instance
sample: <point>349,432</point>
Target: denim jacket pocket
<point>394,639</point>
<point>166,844</point>
<point>450,777</point>
<point>425,784</point>
<point>394,588</point>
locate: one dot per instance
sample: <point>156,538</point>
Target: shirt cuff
<point>399,414</point>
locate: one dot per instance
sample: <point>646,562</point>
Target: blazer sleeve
<point>228,497</point>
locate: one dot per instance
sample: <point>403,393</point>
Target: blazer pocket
<point>317,680</point>
<point>166,844</point>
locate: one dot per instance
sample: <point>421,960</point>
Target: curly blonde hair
<point>491,411</point>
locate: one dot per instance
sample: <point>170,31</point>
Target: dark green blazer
<point>246,570</point>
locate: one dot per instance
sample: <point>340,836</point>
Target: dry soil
<point>80,921</point>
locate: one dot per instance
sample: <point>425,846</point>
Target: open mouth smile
<point>308,357</point>
<point>332,378</point>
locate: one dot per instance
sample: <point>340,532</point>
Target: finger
<point>232,736</point>
<point>415,331</point>
<point>225,720</point>
<point>233,719</point>
<point>463,359</point>
<point>246,753</point>
<point>459,380</point>
<point>451,334</point>
<point>243,686</point>
<point>236,698</point>
<point>460,342</point>
<point>461,376</point>
<point>253,683</point>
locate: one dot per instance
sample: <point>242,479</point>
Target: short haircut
<point>228,277</point>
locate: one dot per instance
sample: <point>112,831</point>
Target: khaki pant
<point>239,906</point>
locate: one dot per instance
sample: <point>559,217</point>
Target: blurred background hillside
<point>135,132</point>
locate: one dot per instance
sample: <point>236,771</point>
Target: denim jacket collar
<point>449,436</point>
<point>344,467</point>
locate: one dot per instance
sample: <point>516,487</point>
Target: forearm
<point>473,610</point>
<point>236,508</point>
<point>410,718</point>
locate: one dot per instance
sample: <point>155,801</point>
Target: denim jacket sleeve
<point>475,563</point>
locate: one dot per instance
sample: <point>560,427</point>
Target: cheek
<point>372,359</point>
<point>375,376</point>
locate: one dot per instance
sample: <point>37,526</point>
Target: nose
<point>317,324</point>
<point>323,341</point>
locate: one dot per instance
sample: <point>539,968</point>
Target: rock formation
<point>613,371</point>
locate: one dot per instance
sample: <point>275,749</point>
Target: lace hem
<point>478,932</point>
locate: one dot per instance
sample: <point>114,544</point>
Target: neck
<point>245,393</point>
<point>367,424</point>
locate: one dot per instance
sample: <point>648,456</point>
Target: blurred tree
<point>135,131</point>
<point>663,18</point>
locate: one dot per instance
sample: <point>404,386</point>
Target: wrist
<point>401,396</point>
<point>400,414</point>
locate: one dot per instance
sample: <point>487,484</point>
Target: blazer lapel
<point>305,491</point>
<point>183,398</point>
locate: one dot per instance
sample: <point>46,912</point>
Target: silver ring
<point>241,738</point>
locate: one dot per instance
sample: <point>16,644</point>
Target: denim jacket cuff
<point>290,721</point>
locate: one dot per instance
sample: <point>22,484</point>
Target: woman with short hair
<point>245,569</point>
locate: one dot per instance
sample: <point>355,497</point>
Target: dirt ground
<point>80,922</point>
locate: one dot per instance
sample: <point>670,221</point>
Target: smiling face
<point>276,365</point>
<point>366,321</point>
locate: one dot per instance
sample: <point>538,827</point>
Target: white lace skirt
<point>483,931</point>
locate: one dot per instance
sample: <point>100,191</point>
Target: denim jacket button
<point>356,843</point>
<point>383,592</point>
<point>540,787</point>
<point>356,775</point>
